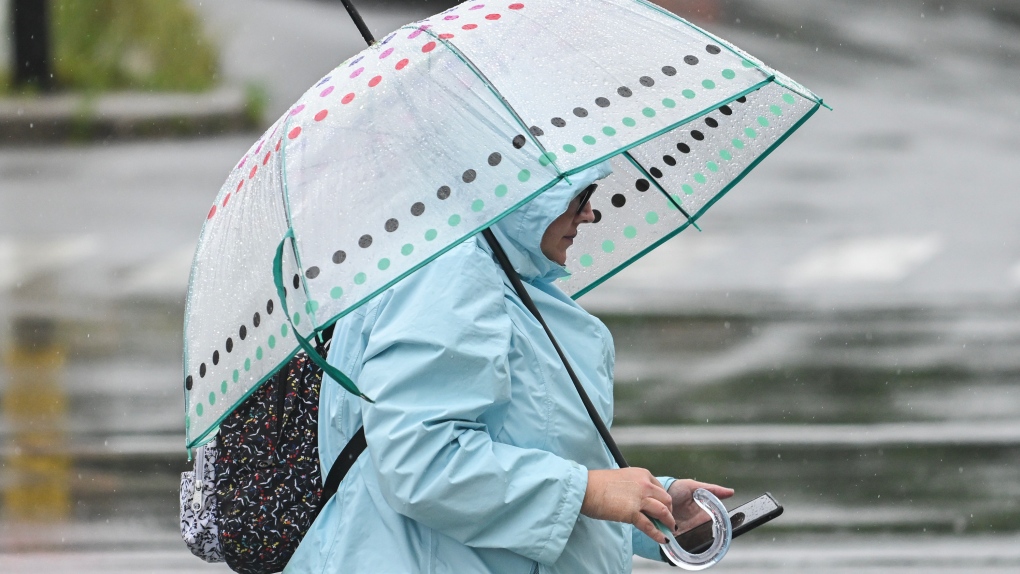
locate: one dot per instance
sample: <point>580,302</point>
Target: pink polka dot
<point>357,72</point>
<point>386,53</point>
<point>492,17</point>
<point>326,92</point>
<point>321,115</point>
<point>517,6</point>
<point>469,26</point>
<point>251,174</point>
<point>428,47</point>
<point>402,63</point>
<point>478,6</point>
<point>258,149</point>
<point>239,184</point>
<point>297,110</point>
<point>212,212</point>
<point>347,99</point>
<point>243,159</point>
<point>418,32</point>
<point>266,159</point>
<point>374,81</point>
<point>445,36</point>
<point>294,132</point>
<point>451,17</point>
<point>226,199</point>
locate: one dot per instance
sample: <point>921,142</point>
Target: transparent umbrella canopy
<point>436,132</point>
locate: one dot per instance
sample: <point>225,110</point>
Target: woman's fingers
<point>642,523</point>
<point>652,508</point>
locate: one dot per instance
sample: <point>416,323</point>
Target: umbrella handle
<point>722,530</point>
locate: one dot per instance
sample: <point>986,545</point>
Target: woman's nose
<point>586,215</point>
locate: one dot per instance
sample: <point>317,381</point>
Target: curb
<point>76,117</point>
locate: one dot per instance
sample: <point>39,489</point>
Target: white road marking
<point>879,259</point>
<point>22,259</point>
<point>1014,274</point>
<point>166,275</point>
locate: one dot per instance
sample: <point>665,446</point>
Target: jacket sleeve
<point>436,366</point>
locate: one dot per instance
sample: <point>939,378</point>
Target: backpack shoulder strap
<point>342,465</point>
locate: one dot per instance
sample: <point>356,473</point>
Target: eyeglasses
<point>585,196</point>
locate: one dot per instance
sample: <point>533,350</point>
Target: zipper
<point>197,499</point>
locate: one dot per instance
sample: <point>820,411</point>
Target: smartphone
<point>743,518</point>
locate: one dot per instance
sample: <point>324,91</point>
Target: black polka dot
<point>256,319</point>
<point>598,215</point>
<point>312,272</point>
<point>297,281</point>
<point>691,60</point>
<point>684,148</point>
<point>581,112</point>
<point>364,241</point>
<point>669,160</point>
<point>618,200</point>
<point>656,172</point>
<point>712,49</point>
<point>189,382</point>
<point>669,70</point>
<point>201,370</point>
<point>242,332</point>
<point>558,122</point>
<point>646,81</point>
<point>602,102</point>
<point>215,357</point>
<point>624,91</point>
<point>495,158</point>
<point>726,110</point>
<point>697,135</point>
<point>417,209</point>
<point>711,122</point>
<point>269,307</point>
<point>469,176</point>
<point>339,257</point>
<point>537,131</point>
<point>230,344</point>
<point>742,99</point>
<point>519,141</point>
<point>642,184</point>
<point>391,225</point>
<point>443,192</point>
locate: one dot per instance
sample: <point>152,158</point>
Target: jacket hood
<point>520,233</point>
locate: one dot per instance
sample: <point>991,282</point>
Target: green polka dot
<point>336,292</point>
<point>284,329</point>
<point>247,365</point>
<point>629,122</point>
<point>677,199</point>
<point>359,279</point>
<point>747,64</point>
<point>652,217</point>
<point>258,353</point>
<point>454,220</point>
<point>212,399</point>
<point>738,143</point>
<point>726,155</point>
<point>237,375</point>
<point>668,103</point>
<point>689,94</point>
<point>788,98</point>
<point>708,84</point>
<point>198,409</point>
<point>407,249</point>
<point>588,140</point>
<point>729,74</point>
<point>297,318</point>
<point>712,166</point>
<point>384,264</point>
<point>223,387</point>
<point>776,110</point>
<point>763,121</point>
<point>700,178</point>
<point>586,260</point>
<point>547,158</point>
<point>477,205</point>
<point>608,246</point>
<point>687,189</point>
<point>430,234</point>
<point>648,112</point>
<point>271,342</point>
<point>569,148</point>
<point>524,175</point>
<point>311,306</point>
<point>749,132</point>
<point>500,190</point>
<point>609,131</point>
<point>630,232</point>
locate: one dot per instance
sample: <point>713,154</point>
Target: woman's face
<point>559,236</point>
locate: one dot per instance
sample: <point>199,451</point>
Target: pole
<point>31,31</point>
<point>365,32</point>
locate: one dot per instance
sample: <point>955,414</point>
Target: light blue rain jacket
<point>478,444</point>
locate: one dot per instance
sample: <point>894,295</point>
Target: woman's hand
<point>630,495</point>
<point>686,512</point>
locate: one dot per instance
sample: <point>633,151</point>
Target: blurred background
<point>844,333</point>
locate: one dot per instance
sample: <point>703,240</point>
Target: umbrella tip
<point>364,396</point>
<point>825,105</point>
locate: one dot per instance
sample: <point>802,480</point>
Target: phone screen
<point>743,518</point>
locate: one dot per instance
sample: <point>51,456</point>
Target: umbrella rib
<point>649,177</point>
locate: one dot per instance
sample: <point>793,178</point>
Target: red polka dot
<point>278,145</point>
<point>469,26</point>
<point>445,36</point>
<point>492,17</point>
<point>226,199</point>
<point>374,81</point>
<point>517,6</point>
<point>266,159</point>
<point>347,99</point>
<point>294,132</point>
<point>239,185</point>
<point>212,212</point>
<point>321,115</point>
<point>251,174</point>
<point>428,47</point>
<point>402,63</point>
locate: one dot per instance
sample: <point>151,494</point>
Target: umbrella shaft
<point>365,32</point>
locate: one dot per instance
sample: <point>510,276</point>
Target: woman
<point>481,457</point>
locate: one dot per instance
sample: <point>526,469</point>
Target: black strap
<point>342,465</point>
<point>515,280</point>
